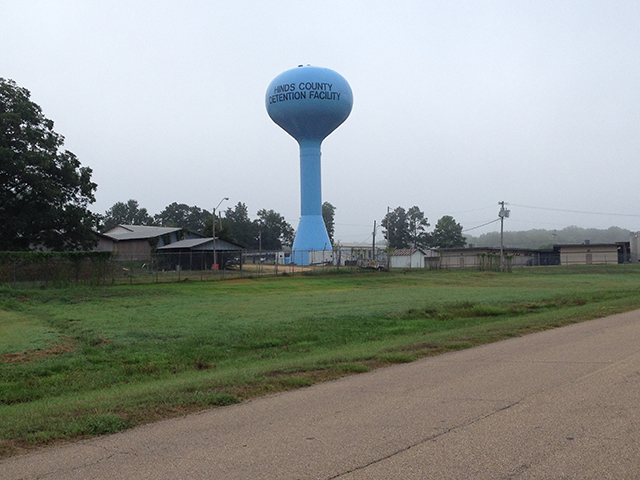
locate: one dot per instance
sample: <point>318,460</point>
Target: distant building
<point>359,254</point>
<point>634,242</point>
<point>594,254</point>
<point>569,254</point>
<point>138,242</point>
<point>199,254</point>
<point>480,257</point>
<point>105,244</point>
<point>413,258</point>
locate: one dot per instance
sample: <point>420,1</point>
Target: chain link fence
<point>59,269</point>
<point>42,269</point>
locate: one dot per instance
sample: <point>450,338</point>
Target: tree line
<point>541,238</point>
<point>269,231</point>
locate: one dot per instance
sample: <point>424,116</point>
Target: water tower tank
<point>309,103</point>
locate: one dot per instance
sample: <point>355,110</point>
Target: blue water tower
<point>309,103</point>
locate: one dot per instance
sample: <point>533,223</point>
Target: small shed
<point>412,258</point>
<point>199,254</point>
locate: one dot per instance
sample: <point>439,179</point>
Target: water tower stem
<point>310,179</point>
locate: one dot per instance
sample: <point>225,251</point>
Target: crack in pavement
<point>606,365</point>
<point>425,440</point>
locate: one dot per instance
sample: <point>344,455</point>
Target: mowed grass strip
<point>82,362</point>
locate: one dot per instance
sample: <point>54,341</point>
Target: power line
<point>578,211</point>
<point>351,225</point>
<point>557,224</point>
<point>483,225</point>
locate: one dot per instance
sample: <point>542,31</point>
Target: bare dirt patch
<point>38,353</point>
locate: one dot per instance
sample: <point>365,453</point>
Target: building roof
<point>589,245</point>
<point>402,252</point>
<point>488,249</point>
<point>201,244</point>
<point>138,232</point>
<point>359,245</point>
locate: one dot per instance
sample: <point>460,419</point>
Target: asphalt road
<point>563,403</point>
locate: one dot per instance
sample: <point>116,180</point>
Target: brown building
<point>138,242</point>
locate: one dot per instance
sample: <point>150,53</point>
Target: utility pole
<point>502,214</point>
<point>213,232</point>
<point>388,235</point>
<point>373,249</point>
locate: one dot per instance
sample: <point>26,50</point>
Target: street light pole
<point>213,231</point>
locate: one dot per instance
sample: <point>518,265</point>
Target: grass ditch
<point>89,362</point>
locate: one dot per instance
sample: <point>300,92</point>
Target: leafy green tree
<point>223,228</point>
<point>406,228</point>
<point>416,225</point>
<point>237,227</point>
<point>44,190</point>
<point>128,213</point>
<point>270,230</point>
<point>447,234</point>
<point>328,214</point>
<point>185,216</point>
<point>274,230</point>
<point>396,228</point>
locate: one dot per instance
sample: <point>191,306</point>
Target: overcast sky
<point>457,104</point>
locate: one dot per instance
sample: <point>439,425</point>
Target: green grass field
<point>79,362</point>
